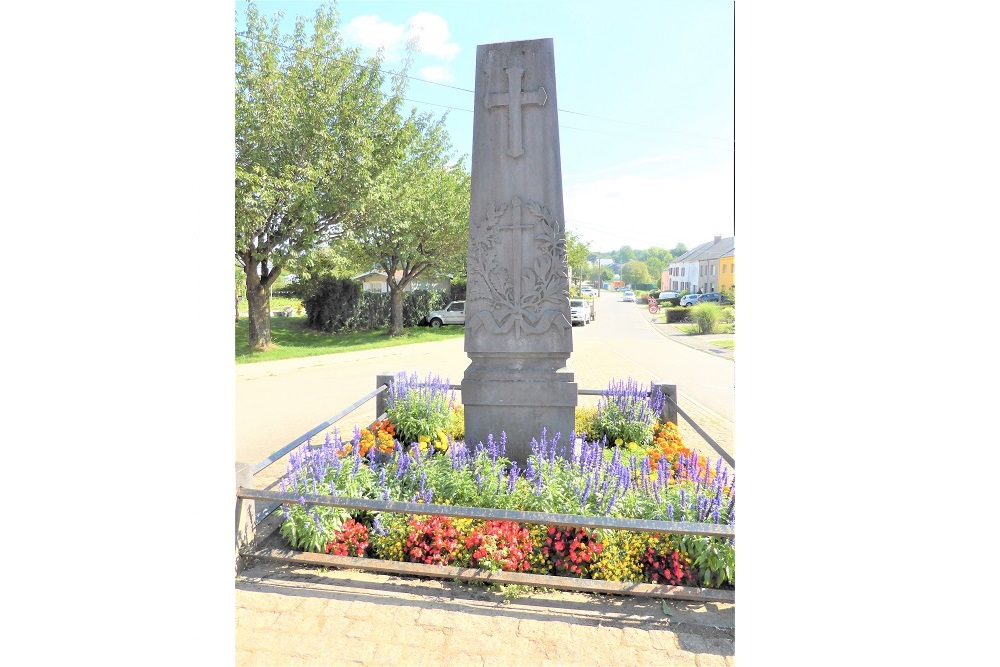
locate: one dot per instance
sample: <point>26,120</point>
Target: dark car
<point>710,296</point>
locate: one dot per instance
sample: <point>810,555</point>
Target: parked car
<point>588,291</point>
<point>453,313</point>
<point>580,311</point>
<point>667,295</point>
<point>629,295</point>
<point>711,296</point>
<point>690,299</point>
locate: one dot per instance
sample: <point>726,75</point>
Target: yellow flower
<point>619,442</point>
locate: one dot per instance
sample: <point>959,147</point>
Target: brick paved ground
<point>296,616</point>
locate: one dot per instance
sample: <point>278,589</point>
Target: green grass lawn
<point>293,340</point>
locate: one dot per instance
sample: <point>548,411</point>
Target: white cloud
<point>430,32</point>
<point>372,32</point>
<point>438,74</point>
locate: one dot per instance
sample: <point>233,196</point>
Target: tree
<point>635,273</point>
<point>576,255</point>
<point>415,219</point>
<point>656,260</point>
<point>323,262</point>
<point>678,250</point>
<point>624,254</point>
<point>313,131</point>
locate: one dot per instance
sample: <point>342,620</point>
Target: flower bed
<point>652,475</point>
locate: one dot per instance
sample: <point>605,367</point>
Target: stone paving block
<point>474,642</point>
<point>261,619</point>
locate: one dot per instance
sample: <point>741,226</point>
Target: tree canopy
<point>314,130</point>
<point>416,215</point>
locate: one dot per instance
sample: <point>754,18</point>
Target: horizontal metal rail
<point>487,576</point>
<point>546,518</point>
<point>318,429</point>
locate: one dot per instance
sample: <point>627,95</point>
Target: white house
<point>375,281</point>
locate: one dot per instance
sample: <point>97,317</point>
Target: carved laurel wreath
<point>543,284</point>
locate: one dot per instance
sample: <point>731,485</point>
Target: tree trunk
<point>259,311</point>
<point>396,311</point>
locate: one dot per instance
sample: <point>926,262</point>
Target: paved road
<point>279,401</point>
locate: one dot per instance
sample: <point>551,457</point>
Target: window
<point>724,267</point>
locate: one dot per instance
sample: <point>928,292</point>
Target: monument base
<point>520,408</point>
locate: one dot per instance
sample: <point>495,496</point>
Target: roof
<point>710,250</point>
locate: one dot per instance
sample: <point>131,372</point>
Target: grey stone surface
<point>518,334</point>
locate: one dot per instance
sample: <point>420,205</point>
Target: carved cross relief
<point>516,226</point>
<point>513,99</point>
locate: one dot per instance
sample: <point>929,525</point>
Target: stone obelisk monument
<point>517,332</point>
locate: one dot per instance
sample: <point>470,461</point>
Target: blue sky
<point>645,99</point>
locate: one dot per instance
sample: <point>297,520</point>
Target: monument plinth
<point>517,333</point>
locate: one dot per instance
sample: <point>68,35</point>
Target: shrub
<point>419,408</point>
<point>331,308</point>
<point>626,413</point>
<point>707,316</point>
<point>585,423</point>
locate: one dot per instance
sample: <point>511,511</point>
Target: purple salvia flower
<point>586,493</point>
<point>503,443</point>
<point>423,481</point>
<point>377,527</point>
<point>611,504</point>
<point>670,512</point>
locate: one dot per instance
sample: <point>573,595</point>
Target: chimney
<point>718,238</point>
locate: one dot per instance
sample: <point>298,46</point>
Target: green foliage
<point>713,558</point>
<point>313,132</point>
<point>415,217</point>
<point>635,272</point>
<point>419,408</point>
<point>333,304</point>
<point>585,421</point>
<point>707,315</point>
<point>339,305</point>
<point>675,314</point>
<point>309,529</point>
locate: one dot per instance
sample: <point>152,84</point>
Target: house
<point>709,267</point>
<point>375,281</point>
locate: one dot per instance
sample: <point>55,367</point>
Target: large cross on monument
<point>518,334</point>
<point>513,99</point>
